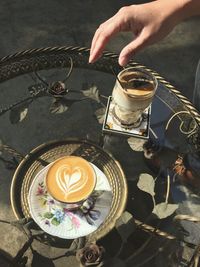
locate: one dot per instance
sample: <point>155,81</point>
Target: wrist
<point>182,9</point>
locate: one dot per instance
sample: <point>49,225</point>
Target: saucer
<point>54,218</point>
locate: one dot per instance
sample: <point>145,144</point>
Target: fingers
<point>103,25</point>
<point>102,36</point>
<point>132,48</point>
<point>123,20</point>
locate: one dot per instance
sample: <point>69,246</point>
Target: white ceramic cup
<point>71,180</point>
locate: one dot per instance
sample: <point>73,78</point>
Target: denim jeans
<point>196,94</point>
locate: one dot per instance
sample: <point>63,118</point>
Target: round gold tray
<point>46,153</point>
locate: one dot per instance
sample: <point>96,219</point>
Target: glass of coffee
<point>133,92</point>
<point>71,180</point>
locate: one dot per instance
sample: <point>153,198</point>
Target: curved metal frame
<point>15,65</point>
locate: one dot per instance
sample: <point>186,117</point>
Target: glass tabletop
<point>52,99</point>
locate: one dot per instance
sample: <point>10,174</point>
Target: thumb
<point>132,48</point>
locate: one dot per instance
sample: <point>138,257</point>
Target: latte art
<point>70,179</point>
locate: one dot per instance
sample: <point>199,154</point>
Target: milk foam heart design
<point>70,180</point>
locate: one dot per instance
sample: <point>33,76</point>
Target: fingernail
<point>122,61</point>
<point>90,59</point>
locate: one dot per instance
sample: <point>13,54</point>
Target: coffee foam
<point>70,179</point>
<point>127,81</point>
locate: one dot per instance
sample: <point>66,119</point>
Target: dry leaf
<point>100,114</point>
<point>163,210</point>
<point>146,183</point>
<point>60,105</point>
<point>92,93</point>
<point>18,113</point>
<point>136,144</point>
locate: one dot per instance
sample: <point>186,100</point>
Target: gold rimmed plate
<point>43,155</point>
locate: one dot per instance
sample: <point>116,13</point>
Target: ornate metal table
<point>52,104</point>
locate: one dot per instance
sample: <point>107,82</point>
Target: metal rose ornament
<point>58,88</point>
<point>188,170</point>
<point>90,255</point>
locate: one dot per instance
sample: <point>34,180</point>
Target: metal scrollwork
<point>56,89</point>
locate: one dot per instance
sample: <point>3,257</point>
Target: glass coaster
<point>112,125</point>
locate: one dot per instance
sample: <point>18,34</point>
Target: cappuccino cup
<point>133,92</point>
<point>71,180</point>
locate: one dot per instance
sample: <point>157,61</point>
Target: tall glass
<point>133,92</point>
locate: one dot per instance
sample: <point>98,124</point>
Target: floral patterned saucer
<point>55,219</point>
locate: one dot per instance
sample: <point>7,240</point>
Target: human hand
<point>148,22</point>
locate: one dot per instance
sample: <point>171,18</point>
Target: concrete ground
<point>33,24</point>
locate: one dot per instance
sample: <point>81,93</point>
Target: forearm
<point>182,9</point>
<point>190,8</point>
<point>149,23</point>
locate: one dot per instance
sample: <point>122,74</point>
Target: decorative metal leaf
<point>146,183</point>
<point>100,114</point>
<point>78,243</point>
<point>60,105</point>
<point>92,93</point>
<point>163,210</point>
<point>136,144</point>
<point>18,113</point>
<point>38,89</point>
<point>125,225</point>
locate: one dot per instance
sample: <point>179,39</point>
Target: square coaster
<point>110,126</point>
